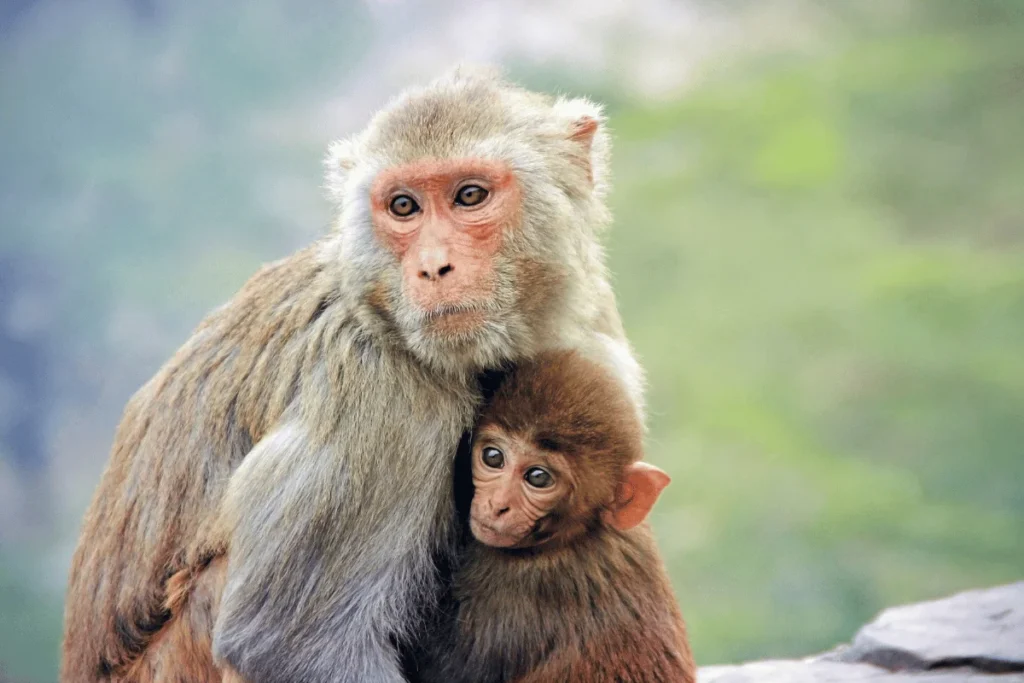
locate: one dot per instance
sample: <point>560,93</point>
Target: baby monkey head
<point>556,455</point>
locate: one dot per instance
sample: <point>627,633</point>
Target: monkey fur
<point>302,439</point>
<point>579,598</point>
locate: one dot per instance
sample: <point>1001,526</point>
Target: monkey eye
<point>470,195</point>
<point>538,478</point>
<point>492,457</point>
<point>403,205</point>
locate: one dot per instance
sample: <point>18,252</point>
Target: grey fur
<point>364,575</point>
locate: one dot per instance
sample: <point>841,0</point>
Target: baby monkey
<point>562,582</point>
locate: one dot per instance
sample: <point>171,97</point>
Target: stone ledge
<point>975,636</point>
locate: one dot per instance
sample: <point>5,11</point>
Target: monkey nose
<point>438,273</point>
<point>499,511</point>
<point>434,264</point>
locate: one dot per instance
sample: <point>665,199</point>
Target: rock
<point>982,629</point>
<point>977,636</point>
<point>823,671</point>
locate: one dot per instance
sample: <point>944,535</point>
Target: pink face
<point>445,221</point>
<point>515,485</point>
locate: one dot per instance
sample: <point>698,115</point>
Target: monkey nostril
<point>441,272</point>
<point>500,512</point>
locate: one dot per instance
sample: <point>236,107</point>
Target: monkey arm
<point>310,589</point>
<point>327,561</point>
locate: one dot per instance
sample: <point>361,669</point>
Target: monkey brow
<point>547,442</point>
<point>553,443</point>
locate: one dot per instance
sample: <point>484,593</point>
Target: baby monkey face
<point>516,484</point>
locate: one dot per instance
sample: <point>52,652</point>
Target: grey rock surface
<point>822,671</point>
<point>976,636</point>
<point>983,629</point>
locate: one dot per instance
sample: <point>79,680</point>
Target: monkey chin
<point>493,538</point>
<point>470,338</point>
<point>457,324</point>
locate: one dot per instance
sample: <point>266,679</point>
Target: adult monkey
<point>307,429</point>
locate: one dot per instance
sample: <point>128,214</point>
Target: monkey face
<point>524,494</point>
<point>467,217</point>
<point>516,486</point>
<point>444,220</point>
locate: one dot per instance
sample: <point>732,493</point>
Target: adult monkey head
<point>467,212</point>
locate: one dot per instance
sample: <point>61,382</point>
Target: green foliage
<point>820,261</point>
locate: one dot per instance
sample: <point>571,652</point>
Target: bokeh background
<point>819,253</point>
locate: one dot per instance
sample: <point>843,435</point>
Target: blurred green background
<point>819,254</point>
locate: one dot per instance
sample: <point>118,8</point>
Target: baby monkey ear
<point>637,495</point>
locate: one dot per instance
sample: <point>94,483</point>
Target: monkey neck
<point>514,608</point>
<point>567,563</point>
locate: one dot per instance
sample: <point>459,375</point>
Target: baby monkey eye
<point>538,478</point>
<point>492,457</point>
<point>403,205</point>
<point>470,195</point>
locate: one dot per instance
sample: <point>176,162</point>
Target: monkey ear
<point>340,159</point>
<point>585,127</point>
<point>582,131</point>
<point>640,490</point>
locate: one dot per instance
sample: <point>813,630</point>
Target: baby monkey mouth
<point>496,538</point>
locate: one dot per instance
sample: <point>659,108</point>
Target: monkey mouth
<point>454,319</point>
<point>490,536</point>
<point>450,310</point>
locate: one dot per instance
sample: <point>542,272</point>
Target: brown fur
<point>635,631</point>
<point>594,604</point>
<point>183,650</point>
